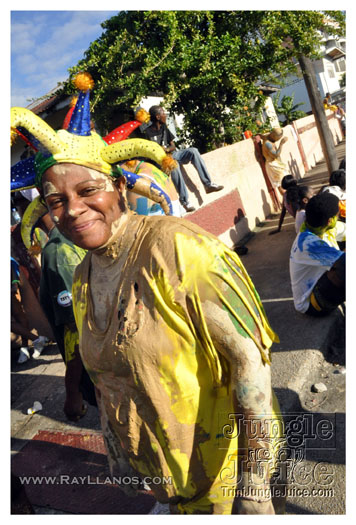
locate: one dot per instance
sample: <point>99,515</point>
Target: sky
<point>44,44</point>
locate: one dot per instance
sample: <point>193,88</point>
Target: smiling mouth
<point>82,227</point>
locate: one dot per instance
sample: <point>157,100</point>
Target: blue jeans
<point>184,156</point>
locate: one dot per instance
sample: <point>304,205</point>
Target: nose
<point>75,206</point>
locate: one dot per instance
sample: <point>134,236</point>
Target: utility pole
<point>325,136</point>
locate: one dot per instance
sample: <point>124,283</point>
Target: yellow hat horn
<point>34,211</point>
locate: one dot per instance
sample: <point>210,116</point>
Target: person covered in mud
<point>275,167</point>
<point>172,333</point>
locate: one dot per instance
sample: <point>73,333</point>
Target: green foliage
<point>207,65</point>
<point>343,80</point>
<point>288,109</point>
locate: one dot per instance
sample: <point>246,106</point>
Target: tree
<point>207,65</point>
<point>287,108</point>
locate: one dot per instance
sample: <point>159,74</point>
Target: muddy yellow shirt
<point>165,389</point>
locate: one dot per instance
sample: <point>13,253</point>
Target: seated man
<point>317,266</point>
<point>158,132</point>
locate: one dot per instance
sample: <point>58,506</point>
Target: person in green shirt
<point>59,259</point>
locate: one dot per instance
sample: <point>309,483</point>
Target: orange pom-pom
<point>142,115</point>
<point>35,249</point>
<point>73,101</point>
<point>84,81</point>
<point>168,164</point>
<point>131,163</point>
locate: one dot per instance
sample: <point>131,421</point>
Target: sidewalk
<point>71,456</point>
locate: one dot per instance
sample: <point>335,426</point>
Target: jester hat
<point>78,144</point>
<point>123,131</point>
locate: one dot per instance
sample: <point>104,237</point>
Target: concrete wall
<point>309,138</point>
<point>291,154</point>
<point>245,201</point>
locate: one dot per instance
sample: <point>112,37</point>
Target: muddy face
<point>84,204</point>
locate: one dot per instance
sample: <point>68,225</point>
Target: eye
<point>90,190</point>
<point>55,202</point>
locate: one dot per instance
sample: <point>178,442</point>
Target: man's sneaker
<point>39,345</point>
<point>188,207</point>
<point>213,187</point>
<point>24,355</point>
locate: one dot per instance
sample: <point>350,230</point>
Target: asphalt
<point>310,351</point>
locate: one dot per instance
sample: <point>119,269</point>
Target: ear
<point>332,220</point>
<point>121,183</point>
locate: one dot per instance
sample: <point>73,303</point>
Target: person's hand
<point>246,506</point>
<point>284,140</point>
<point>74,408</point>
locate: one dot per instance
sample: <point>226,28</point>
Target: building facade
<point>329,70</point>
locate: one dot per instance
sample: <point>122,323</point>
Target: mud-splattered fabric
<point>165,388</point>
<point>275,167</point>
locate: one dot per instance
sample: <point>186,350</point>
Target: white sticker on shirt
<point>64,298</point>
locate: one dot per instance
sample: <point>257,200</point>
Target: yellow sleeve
<point>71,343</point>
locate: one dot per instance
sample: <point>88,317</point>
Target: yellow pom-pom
<point>73,101</point>
<point>84,81</point>
<point>142,115</point>
<point>168,164</point>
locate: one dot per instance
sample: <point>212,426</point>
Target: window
<point>331,71</point>
<point>340,65</point>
